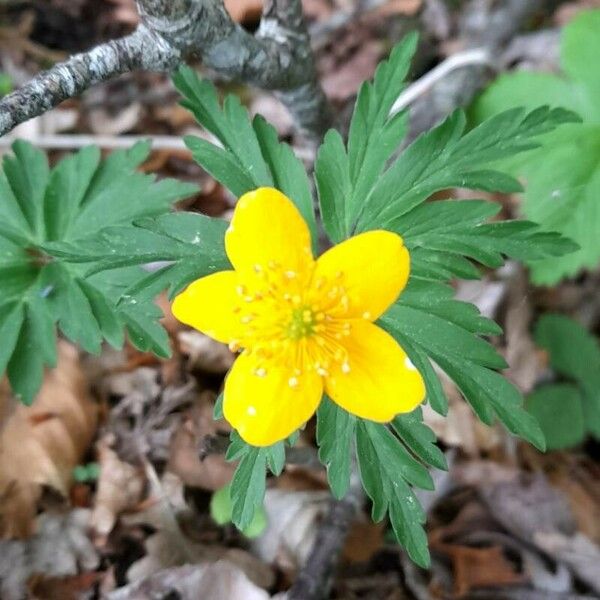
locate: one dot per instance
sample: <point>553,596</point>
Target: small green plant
<point>570,410</point>
<point>73,205</point>
<point>563,173</point>
<point>221,510</point>
<point>74,241</point>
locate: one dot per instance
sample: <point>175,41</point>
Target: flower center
<point>303,323</point>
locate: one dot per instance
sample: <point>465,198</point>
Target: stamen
<point>346,367</point>
<point>293,382</point>
<point>251,411</point>
<point>234,346</point>
<point>246,319</point>
<point>366,315</point>
<point>260,372</point>
<point>290,274</point>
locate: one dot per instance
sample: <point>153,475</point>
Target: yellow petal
<point>267,227</point>
<point>375,267</point>
<point>381,381</point>
<point>208,305</point>
<point>262,405</point>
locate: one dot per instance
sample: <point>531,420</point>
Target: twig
<point>477,56</point>
<point>167,143</point>
<point>314,580</point>
<point>278,57</point>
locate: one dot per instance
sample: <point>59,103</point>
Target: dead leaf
<point>479,567</point>
<point>291,531</point>
<point>60,548</point>
<point>343,82</point>
<point>169,546</point>
<point>577,551</point>
<point>219,581</point>
<point>120,488</point>
<point>40,445</point>
<point>204,353</point>
<point>244,11</point>
<point>211,472</point>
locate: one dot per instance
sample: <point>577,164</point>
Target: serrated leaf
<point>288,172</point>
<point>380,462</point>
<point>335,432</point>
<point>248,486</point>
<point>558,409</point>
<point>241,152</point>
<point>563,177</point>
<point>419,438</point>
<point>67,210</point>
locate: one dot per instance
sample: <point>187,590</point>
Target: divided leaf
<point>249,154</point>
<point>70,205</point>
<point>386,470</point>
<point>563,175</point>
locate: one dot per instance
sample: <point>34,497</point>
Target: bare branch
<point>277,58</point>
<point>141,50</point>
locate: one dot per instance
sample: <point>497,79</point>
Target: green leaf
<point>563,175</point>
<point>335,432</point>
<point>240,163</point>
<point>289,174</point>
<point>50,222</point>
<point>248,486</point>
<point>444,331</point>
<point>332,175</point>
<point>383,468</point>
<point>419,438</point>
<point>345,178</point>
<point>558,410</point>
<point>221,509</point>
<point>447,157</point>
<point>275,456</point>
<point>574,353</point>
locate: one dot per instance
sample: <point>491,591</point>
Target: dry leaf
<point>120,488</point>
<point>479,567</point>
<point>204,353</point>
<point>169,546</point>
<point>61,547</point>
<point>292,526</point>
<point>40,445</point>
<point>219,581</point>
<point>212,472</point>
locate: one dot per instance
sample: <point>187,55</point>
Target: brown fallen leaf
<point>479,567</point>
<point>211,472</point>
<point>40,445</point>
<point>120,488</point>
<point>219,581</point>
<point>60,548</point>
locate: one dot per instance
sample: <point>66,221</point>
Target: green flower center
<point>302,324</point>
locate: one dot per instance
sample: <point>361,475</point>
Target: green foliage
<point>249,482</point>
<point>221,510</point>
<point>86,473</point>
<point>563,175</point>
<point>335,432</point>
<point>72,205</point>
<point>6,84</point>
<point>250,155</point>
<point>575,355</point>
<point>388,471</point>
<point>558,410</point>
<point>78,268</point>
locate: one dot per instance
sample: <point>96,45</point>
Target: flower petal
<point>267,227</point>
<point>375,267</point>
<point>381,382</point>
<point>208,305</point>
<point>260,403</point>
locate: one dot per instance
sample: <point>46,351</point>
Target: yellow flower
<point>304,327</point>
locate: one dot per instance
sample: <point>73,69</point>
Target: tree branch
<point>277,58</point>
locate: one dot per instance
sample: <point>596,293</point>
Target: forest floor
<point>506,522</point>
